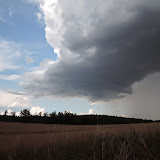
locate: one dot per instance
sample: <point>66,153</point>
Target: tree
<point>13,114</point>
<point>25,113</point>
<point>6,112</point>
<point>53,114</point>
<point>60,113</point>
<point>45,114</point>
<point>40,114</point>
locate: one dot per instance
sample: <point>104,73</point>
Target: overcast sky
<point>82,56</point>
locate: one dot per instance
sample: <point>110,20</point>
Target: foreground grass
<point>93,145</point>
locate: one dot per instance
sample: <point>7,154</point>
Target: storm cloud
<point>104,47</point>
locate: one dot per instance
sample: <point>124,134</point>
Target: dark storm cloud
<point>109,59</point>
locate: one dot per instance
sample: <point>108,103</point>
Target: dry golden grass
<point>50,141</point>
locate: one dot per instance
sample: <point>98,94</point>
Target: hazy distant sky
<point>84,56</point>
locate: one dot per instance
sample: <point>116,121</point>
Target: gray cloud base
<point>107,54</point>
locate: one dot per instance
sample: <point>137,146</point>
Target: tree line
<point>68,118</point>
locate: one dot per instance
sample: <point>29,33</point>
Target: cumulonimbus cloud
<point>104,47</point>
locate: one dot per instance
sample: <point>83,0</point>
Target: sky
<point>95,57</point>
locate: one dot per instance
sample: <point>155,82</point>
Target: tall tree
<point>25,113</point>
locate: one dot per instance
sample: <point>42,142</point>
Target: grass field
<point>24,141</point>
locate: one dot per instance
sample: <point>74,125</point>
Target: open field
<point>20,141</point>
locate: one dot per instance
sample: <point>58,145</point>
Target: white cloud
<point>10,77</point>
<point>12,100</point>
<point>12,54</point>
<point>52,17</point>
<point>37,110</point>
<point>36,1</point>
<point>18,114</point>
<point>29,59</point>
<point>10,113</point>
<point>91,111</point>
<point>123,115</point>
<point>39,16</point>
<point>45,64</point>
<point>9,53</point>
<point>10,14</point>
<point>1,112</point>
<point>38,72</point>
